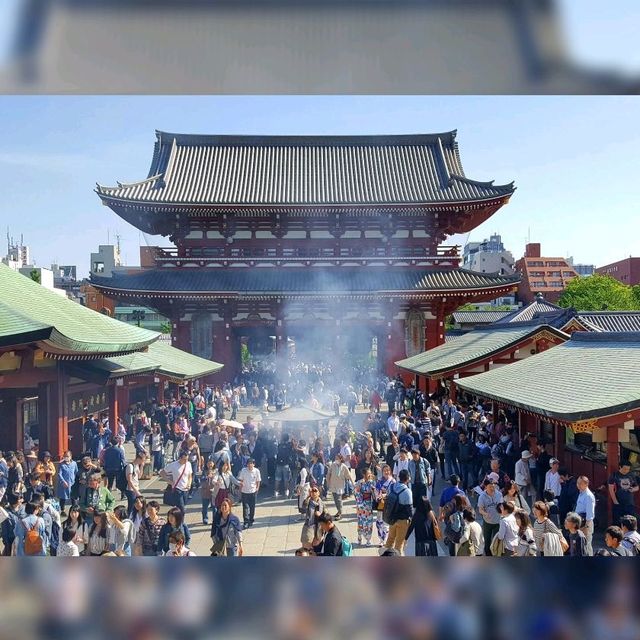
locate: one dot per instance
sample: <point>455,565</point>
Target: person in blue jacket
<point>30,521</point>
<point>67,473</point>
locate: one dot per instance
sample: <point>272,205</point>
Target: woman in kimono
<point>365,497</point>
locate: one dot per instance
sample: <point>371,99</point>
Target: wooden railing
<point>222,256</point>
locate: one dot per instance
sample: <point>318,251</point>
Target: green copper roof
<point>160,358</point>
<point>589,376</point>
<point>471,347</point>
<point>31,313</point>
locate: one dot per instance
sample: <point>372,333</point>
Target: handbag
<point>437,532</point>
<point>497,546</point>
<point>170,495</point>
<point>219,548</point>
<point>563,543</point>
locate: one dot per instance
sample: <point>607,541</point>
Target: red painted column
<point>123,400</point>
<point>114,408</point>
<point>181,335</point>
<point>52,411</point>
<point>395,346</point>
<point>160,392</point>
<point>453,390</point>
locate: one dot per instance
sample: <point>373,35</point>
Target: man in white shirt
<point>179,475</point>
<point>523,476</point>
<point>132,474</point>
<point>250,480</point>
<point>402,462</point>
<point>508,531</point>
<point>393,423</point>
<point>345,451</point>
<point>552,479</point>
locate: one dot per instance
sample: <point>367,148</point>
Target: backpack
<point>635,546</point>
<point>347,548</point>
<point>32,540</point>
<point>451,533</point>
<point>391,504</point>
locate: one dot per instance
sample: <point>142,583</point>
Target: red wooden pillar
<point>52,414</point>
<point>453,390</point>
<point>181,334</point>
<point>114,406</point>
<point>123,399</point>
<point>395,346</point>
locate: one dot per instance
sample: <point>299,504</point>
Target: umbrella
<point>231,423</point>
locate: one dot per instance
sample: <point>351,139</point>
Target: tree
<point>165,327</point>
<point>598,293</point>
<point>35,275</point>
<point>635,292</point>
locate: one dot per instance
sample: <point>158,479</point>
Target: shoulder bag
<point>437,532</point>
<point>170,496</point>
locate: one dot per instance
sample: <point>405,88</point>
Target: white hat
<point>554,461</point>
<point>493,477</point>
<point>526,454</point>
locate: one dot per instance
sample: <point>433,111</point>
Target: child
<point>68,547</point>
<point>552,504</point>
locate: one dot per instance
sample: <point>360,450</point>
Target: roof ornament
<point>539,298</point>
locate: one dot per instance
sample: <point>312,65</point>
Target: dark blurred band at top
<point>297,46</point>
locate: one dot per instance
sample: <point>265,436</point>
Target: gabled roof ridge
<point>404,139</point>
<point>623,337</point>
<point>609,312</point>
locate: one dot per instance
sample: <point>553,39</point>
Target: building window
<point>98,267</point>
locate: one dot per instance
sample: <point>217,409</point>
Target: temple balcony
<point>230,256</point>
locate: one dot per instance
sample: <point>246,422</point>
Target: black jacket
<point>391,452</point>
<point>422,527</point>
<point>331,545</point>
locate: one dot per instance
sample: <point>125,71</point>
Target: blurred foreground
<point>311,598</point>
<point>312,46</point>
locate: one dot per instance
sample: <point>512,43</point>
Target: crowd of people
<point>454,476</point>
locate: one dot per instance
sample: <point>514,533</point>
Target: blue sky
<point>575,160</point>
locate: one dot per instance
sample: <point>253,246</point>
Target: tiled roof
<point>263,170</point>
<point>591,375</point>
<point>31,313</point>
<point>478,317</point>
<point>305,280</point>
<point>160,358</point>
<point>472,347</point>
<point>527,313</point>
<point>611,320</point>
